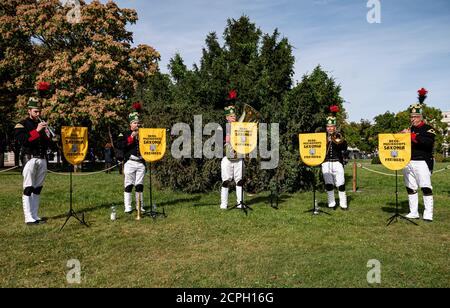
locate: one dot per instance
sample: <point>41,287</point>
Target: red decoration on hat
<point>137,106</point>
<point>43,86</point>
<point>422,95</point>
<point>422,92</point>
<point>232,94</point>
<point>334,109</point>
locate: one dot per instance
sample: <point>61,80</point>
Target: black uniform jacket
<point>32,142</point>
<point>422,143</point>
<point>335,152</point>
<point>129,145</point>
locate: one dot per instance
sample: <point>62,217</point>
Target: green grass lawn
<point>199,245</point>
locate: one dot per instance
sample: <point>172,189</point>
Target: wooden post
<point>355,174</point>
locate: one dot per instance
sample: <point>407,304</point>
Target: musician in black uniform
<point>333,166</point>
<point>418,172</point>
<point>34,139</point>
<point>232,166</point>
<point>134,168</point>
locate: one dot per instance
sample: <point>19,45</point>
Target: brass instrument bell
<point>250,115</point>
<point>337,138</point>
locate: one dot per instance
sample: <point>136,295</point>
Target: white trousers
<point>231,170</point>
<point>333,173</point>
<point>134,173</point>
<point>34,173</point>
<point>417,175</point>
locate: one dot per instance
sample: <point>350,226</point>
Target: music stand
<point>152,137</point>
<point>275,193</point>
<point>395,153</point>
<point>313,151</point>
<point>397,214</point>
<point>71,212</point>
<point>244,147</point>
<point>153,213</point>
<point>242,205</point>
<point>276,196</point>
<point>316,209</point>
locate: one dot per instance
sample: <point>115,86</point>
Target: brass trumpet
<point>49,131</point>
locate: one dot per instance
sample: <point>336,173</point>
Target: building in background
<point>446,119</point>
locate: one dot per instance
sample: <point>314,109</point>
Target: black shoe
<point>428,220</point>
<point>344,209</point>
<point>41,221</point>
<point>33,223</point>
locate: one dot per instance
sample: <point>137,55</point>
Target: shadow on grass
<point>261,200</point>
<point>10,173</point>
<point>268,200</point>
<point>118,205</point>
<point>86,210</point>
<point>176,201</point>
<point>324,205</point>
<point>403,207</point>
<point>349,201</point>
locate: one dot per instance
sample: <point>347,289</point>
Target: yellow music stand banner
<point>313,148</point>
<point>152,143</point>
<point>244,137</point>
<point>394,150</point>
<point>75,143</point>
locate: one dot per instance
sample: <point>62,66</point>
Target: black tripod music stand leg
<point>74,215</point>
<point>396,216</point>
<point>272,195</point>
<point>315,210</point>
<point>405,218</point>
<point>276,196</point>
<point>71,212</point>
<point>391,220</point>
<point>153,214</point>
<point>397,213</point>
<point>67,219</point>
<point>242,205</point>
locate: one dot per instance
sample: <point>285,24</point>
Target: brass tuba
<point>250,115</point>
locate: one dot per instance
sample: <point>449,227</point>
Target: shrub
<point>376,160</point>
<point>439,158</point>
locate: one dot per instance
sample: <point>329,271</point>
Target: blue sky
<point>379,66</point>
